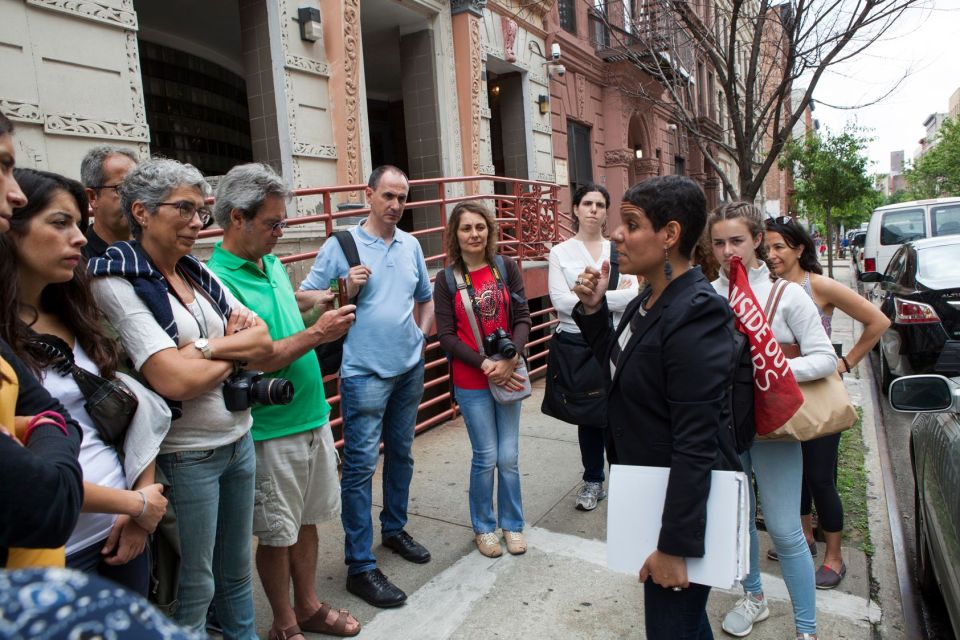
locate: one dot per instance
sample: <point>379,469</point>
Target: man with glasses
<point>101,172</point>
<point>297,485</point>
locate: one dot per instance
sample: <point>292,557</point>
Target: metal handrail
<point>529,222</point>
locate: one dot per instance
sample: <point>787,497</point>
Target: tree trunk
<point>829,226</point>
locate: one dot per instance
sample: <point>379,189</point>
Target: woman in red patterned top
<point>498,303</point>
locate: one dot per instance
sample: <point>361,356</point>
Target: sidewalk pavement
<point>560,588</point>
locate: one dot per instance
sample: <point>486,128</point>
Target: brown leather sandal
<point>285,634</point>
<point>317,623</point>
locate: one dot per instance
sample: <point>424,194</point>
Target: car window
<point>897,227</point>
<point>945,219</point>
<point>939,262</point>
<point>895,266</point>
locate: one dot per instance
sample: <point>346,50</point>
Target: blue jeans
<point>494,431</point>
<point>778,467</point>
<point>676,615</point>
<point>376,408</point>
<point>212,494</point>
<point>134,575</point>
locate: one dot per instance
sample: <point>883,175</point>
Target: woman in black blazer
<point>668,364</point>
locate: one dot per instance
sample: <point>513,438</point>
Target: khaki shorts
<point>296,484</point>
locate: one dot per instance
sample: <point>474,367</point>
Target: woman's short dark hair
<point>796,236</point>
<point>453,223</point>
<point>672,198</point>
<point>71,301</point>
<point>578,196</point>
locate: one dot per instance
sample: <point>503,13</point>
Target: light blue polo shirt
<point>385,340</point>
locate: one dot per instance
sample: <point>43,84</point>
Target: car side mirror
<point>924,394</point>
<point>871,276</point>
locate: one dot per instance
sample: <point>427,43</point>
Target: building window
<point>580,166</point>
<point>679,167</point>
<point>197,110</point>
<point>568,15</point>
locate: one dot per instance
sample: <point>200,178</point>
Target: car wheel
<point>925,577</point>
<point>886,376</point>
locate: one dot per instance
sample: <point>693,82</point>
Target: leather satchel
<point>575,392</point>
<point>109,403</point>
<point>826,407</point>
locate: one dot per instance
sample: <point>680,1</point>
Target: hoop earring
<point>667,267</point>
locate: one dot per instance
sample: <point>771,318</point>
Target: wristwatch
<point>203,345</point>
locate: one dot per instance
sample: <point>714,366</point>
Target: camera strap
<point>465,289</point>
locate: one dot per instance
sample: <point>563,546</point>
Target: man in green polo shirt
<point>296,484</point>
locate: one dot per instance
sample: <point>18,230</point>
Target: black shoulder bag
<point>110,404</point>
<point>330,354</point>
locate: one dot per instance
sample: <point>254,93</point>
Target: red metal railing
<point>529,222</point>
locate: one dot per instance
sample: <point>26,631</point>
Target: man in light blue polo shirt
<point>381,379</point>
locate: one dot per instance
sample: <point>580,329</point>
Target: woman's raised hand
<point>591,285</point>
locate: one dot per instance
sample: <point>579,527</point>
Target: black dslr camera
<point>250,387</point>
<point>498,342</point>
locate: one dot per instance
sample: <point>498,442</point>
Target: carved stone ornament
<point>136,87</point>
<point>124,17</point>
<point>21,111</point>
<point>618,158</point>
<point>475,7</point>
<point>476,70</point>
<point>351,40</point>
<point>580,82</point>
<point>74,125</point>
<point>306,65</point>
<point>307,150</point>
<point>509,38</point>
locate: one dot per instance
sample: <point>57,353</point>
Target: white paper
<point>635,510</point>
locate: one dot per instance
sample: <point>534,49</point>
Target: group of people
<point>666,365</point>
<point>216,451</point>
<point>213,451</point>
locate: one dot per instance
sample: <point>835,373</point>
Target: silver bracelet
<point>144,510</point>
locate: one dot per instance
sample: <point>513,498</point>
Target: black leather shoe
<point>376,589</point>
<point>407,547</point>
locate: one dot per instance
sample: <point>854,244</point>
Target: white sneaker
<point>590,494</point>
<point>749,609</point>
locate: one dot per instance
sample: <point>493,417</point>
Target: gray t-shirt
<point>206,423</point>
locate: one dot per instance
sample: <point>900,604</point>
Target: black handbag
<point>575,390</point>
<point>110,403</point>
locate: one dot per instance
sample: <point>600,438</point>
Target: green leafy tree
<point>937,173</point>
<point>832,182</point>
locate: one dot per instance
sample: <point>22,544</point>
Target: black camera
<point>499,342</point>
<point>250,387</point>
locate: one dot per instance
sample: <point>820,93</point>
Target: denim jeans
<point>778,467</point>
<point>676,615</point>
<point>134,575</point>
<point>592,443</point>
<point>212,494</point>
<point>494,431</point>
<point>376,408</point>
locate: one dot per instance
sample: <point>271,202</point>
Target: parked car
<point>935,458</point>
<point>920,293</point>
<point>892,225</point>
<point>857,240</point>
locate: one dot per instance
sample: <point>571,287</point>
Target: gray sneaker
<point>749,609</point>
<point>590,494</point>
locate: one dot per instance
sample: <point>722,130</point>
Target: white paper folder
<point>635,509</point>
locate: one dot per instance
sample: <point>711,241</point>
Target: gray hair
<point>245,187</point>
<point>150,184</point>
<point>91,167</point>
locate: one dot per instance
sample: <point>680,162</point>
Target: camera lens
<point>271,391</point>
<point>507,348</point>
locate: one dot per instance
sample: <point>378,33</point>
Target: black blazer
<point>670,396</point>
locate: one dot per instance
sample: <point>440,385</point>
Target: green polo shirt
<point>268,292</point>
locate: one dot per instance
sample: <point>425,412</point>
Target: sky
<point>925,46</point>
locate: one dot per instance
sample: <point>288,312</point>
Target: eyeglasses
<point>783,220</point>
<point>100,187</point>
<point>189,209</point>
<point>278,226</point>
